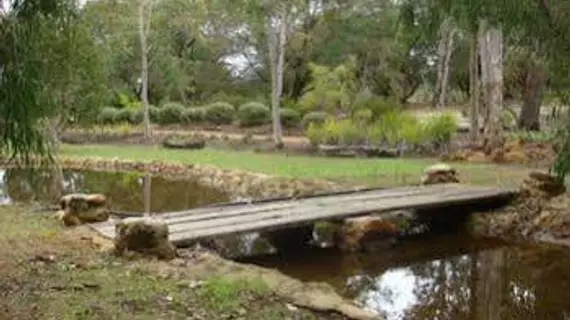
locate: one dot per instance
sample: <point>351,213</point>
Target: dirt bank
<point>541,213</point>
<point>51,272</point>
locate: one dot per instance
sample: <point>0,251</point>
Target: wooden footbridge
<point>188,226</point>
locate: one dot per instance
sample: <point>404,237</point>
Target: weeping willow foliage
<point>36,48</point>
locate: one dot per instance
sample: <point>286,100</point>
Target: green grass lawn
<point>380,172</point>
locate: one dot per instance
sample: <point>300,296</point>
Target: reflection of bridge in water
<point>188,226</point>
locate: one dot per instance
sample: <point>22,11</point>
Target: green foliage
<point>253,114</point>
<point>440,128</point>
<point>394,127</point>
<point>220,113</point>
<point>171,113</point>
<point>194,115</point>
<point>108,115</point>
<point>330,89</point>
<point>153,113</point>
<point>124,101</point>
<point>317,117</point>
<point>363,116</point>
<point>342,132</point>
<point>290,118</point>
<point>377,105</point>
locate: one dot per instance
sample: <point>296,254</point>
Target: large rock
<point>439,173</point>
<point>79,208</point>
<point>145,235</point>
<point>358,234</point>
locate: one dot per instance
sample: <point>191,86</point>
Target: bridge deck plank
<point>190,225</point>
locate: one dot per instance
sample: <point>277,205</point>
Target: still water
<point>429,277</point>
<point>123,190</point>
<point>442,277</point>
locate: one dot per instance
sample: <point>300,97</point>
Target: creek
<point>428,276</point>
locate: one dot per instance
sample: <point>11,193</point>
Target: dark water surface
<point>123,190</point>
<point>442,277</point>
<point>430,277</point>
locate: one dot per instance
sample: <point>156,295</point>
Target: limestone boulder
<point>439,173</point>
<point>148,236</point>
<point>79,208</point>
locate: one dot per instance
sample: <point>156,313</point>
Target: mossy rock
<point>178,142</point>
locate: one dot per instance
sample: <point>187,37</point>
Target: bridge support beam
<point>287,239</point>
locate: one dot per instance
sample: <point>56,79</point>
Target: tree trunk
<point>143,28</point>
<point>147,193</point>
<point>474,91</point>
<point>491,53</point>
<point>529,118</point>
<point>444,52</point>
<point>277,60</point>
<point>53,133</point>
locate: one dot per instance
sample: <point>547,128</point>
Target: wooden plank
<point>307,209</point>
<point>228,212</point>
<point>190,225</point>
<point>177,225</point>
<point>299,219</point>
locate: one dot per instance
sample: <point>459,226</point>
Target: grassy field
<point>47,272</point>
<point>380,172</point>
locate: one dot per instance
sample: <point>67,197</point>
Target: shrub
<point>342,132</point>
<point>194,115</point>
<point>378,106</point>
<point>219,113</point>
<point>124,115</point>
<point>136,115</point>
<point>253,114</point>
<point>395,127</point>
<point>290,118</point>
<point>171,113</point>
<point>153,113</point>
<point>363,116</point>
<point>316,117</point>
<point>441,128</point>
<point>108,115</point>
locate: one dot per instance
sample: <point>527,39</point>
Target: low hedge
<point>219,113</point>
<point>253,114</point>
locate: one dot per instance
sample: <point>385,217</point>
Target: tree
<point>145,10</point>
<point>277,26</point>
<point>27,99</point>
<point>491,55</point>
<point>444,51</point>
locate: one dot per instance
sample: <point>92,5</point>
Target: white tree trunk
<point>276,39</point>
<point>143,32</point>
<point>491,52</point>
<point>474,91</point>
<point>444,52</point>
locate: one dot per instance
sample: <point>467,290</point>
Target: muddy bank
<point>240,184</point>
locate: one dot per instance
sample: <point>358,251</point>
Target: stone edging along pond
<point>237,183</point>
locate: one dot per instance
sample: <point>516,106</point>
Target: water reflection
<point>124,190</point>
<point>451,277</point>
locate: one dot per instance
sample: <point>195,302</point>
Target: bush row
<point>392,128</point>
<point>219,113</point>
